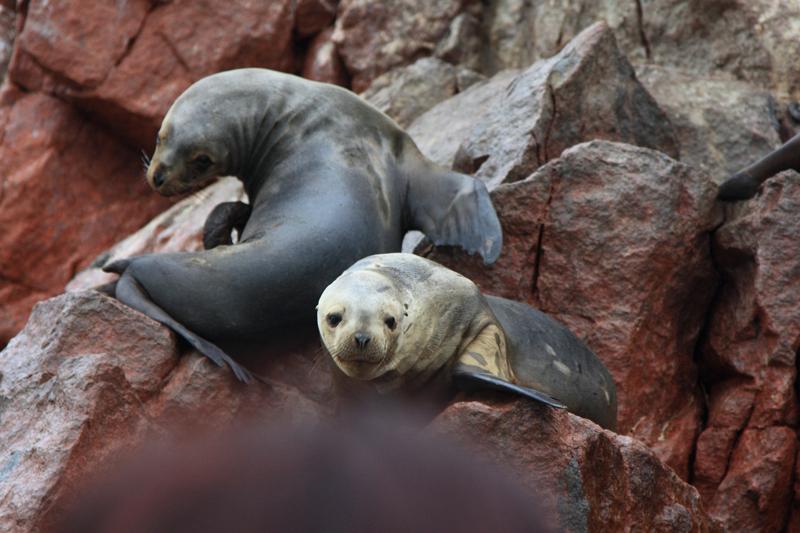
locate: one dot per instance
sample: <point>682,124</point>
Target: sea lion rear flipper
<point>470,378</point>
<point>222,220</point>
<point>132,294</point>
<point>455,209</point>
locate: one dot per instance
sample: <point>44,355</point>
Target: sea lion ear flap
<point>483,364</point>
<point>455,209</point>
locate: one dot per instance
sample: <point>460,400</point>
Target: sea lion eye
<point>334,319</point>
<point>391,323</point>
<point>202,162</point>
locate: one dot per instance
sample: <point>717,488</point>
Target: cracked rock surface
<point>602,128</point>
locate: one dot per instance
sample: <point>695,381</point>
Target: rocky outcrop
<point>178,229</point>
<point>746,454</point>
<point>614,241</point>
<point>592,480</point>
<point>54,165</point>
<point>756,41</point>
<point>721,125</point>
<point>407,92</point>
<point>610,238</point>
<point>89,378</point>
<point>323,63</point>
<point>375,37</point>
<point>520,120</point>
<point>125,63</point>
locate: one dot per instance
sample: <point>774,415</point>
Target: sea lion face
<point>359,317</point>
<point>189,150</point>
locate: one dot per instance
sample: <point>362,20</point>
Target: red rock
<point>757,489</point>
<point>313,16</point>
<point>323,63</point>
<point>178,229</point>
<point>8,33</point>
<point>375,37</point>
<point>518,121</point>
<point>75,40</point>
<point>613,240</point>
<point>69,192</point>
<point>752,342</point>
<point>591,479</point>
<point>130,84</point>
<point>87,379</point>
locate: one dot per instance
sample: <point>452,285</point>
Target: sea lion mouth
<point>175,187</point>
<point>358,359</point>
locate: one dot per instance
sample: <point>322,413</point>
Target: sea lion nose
<point>362,339</point>
<point>158,177</point>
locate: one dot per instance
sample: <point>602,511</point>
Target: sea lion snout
<point>159,177</point>
<point>362,339</point>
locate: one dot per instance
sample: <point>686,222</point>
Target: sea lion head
<point>192,143</point>
<point>360,316</point>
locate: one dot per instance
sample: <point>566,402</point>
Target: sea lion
<point>399,322</point>
<point>745,183</point>
<point>330,180</point>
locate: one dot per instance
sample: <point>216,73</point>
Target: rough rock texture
<point>8,32</point>
<point>614,241</point>
<point>101,378</point>
<point>323,63</point>
<point>89,377</point>
<point>376,36</point>
<point>746,455</point>
<point>126,62</point>
<point>406,92</point>
<point>757,41</point>
<point>596,480</point>
<point>313,16</point>
<point>721,125</point>
<point>611,239</point>
<point>518,121</point>
<point>178,229</point>
<point>520,32</point>
<point>53,164</point>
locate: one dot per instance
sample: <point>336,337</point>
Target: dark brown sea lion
<point>330,180</point>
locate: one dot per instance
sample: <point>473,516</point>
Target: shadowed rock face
<point>695,317</point>
<point>721,125</point>
<point>746,454</point>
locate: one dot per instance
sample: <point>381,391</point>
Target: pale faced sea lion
<point>399,322</point>
<point>330,180</point>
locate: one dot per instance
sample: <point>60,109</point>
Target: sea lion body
<point>330,180</point>
<point>443,327</point>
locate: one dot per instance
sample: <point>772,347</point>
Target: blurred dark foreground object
<point>360,476</point>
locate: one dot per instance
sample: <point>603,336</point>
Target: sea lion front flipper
<point>468,378</point>
<point>222,220</point>
<point>455,209</point>
<point>483,364</point>
<point>131,293</point>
